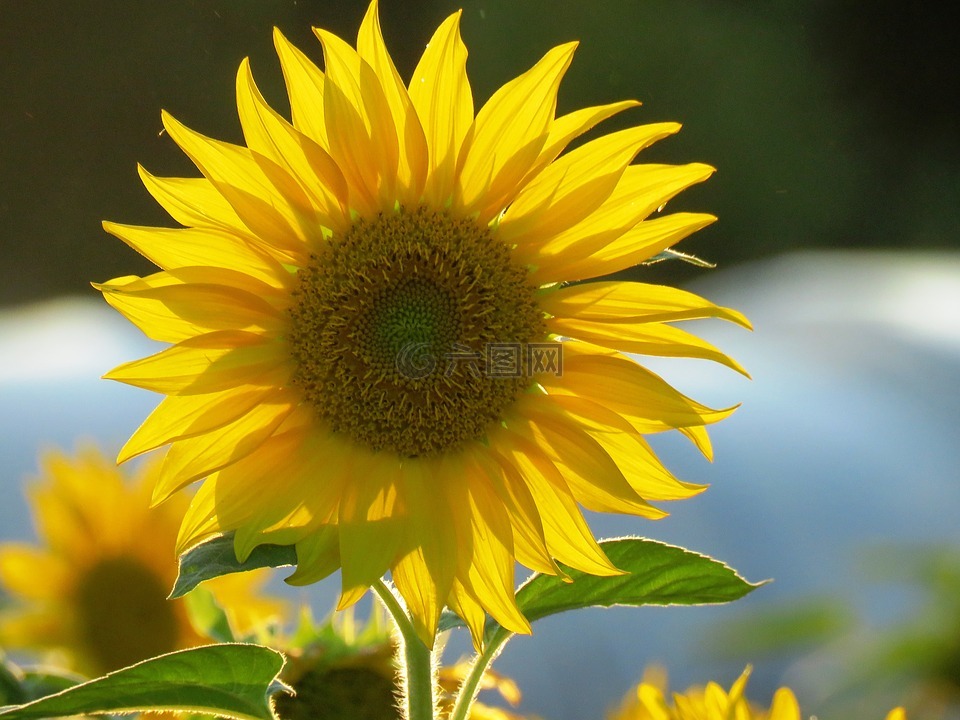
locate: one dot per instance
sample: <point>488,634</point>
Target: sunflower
<point>380,350</point>
<point>648,702</point>
<point>343,668</point>
<point>95,590</point>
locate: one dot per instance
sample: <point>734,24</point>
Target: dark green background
<point>832,123</point>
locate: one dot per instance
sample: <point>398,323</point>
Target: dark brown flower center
<point>123,615</point>
<point>411,331</point>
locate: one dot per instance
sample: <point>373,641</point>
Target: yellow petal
<point>572,125</point>
<point>568,536</point>
<point>632,454</point>
<point>641,190</point>
<point>270,136</point>
<point>617,302</point>
<point>195,202</point>
<point>174,248</point>
<point>591,259</point>
<point>468,608</point>
<point>489,575</point>
<point>593,477</point>
<point>209,363</point>
<point>318,555</point>
<point>641,396</point>
<point>424,576</point>
<point>785,707</point>
<point>440,92</point>
<point>575,185</point>
<point>412,171</point>
<point>528,537</point>
<point>643,338</point>
<point>172,311</point>
<point>237,176</point>
<point>20,567</point>
<point>508,135</point>
<point>182,416</point>
<point>192,458</point>
<point>363,137</point>
<point>304,82</point>
<point>371,521</point>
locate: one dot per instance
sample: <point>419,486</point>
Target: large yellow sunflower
<point>95,590</point>
<point>366,308</point>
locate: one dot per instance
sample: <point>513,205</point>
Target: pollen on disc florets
<point>392,325</point>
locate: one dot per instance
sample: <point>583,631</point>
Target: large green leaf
<point>656,574</point>
<point>217,557</point>
<point>231,680</point>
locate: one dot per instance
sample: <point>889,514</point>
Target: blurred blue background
<point>834,129</point>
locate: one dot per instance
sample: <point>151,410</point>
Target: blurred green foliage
<point>831,123</point>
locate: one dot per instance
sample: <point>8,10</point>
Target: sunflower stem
<point>415,660</point>
<point>471,684</point>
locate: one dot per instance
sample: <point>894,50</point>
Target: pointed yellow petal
<point>372,521</point>
<point>173,248</point>
<point>632,454</point>
<point>489,577</point>
<point>570,126</point>
<point>209,363</point>
<point>182,416</point>
<point>528,536</point>
<point>508,135</point>
<point>591,259</point>
<point>440,92</point>
<point>641,190</point>
<point>193,458</point>
<point>270,136</point>
<point>593,477</point>
<point>632,302</point>
<point>194,202</point>
<point>237,176</point>
<point>318,556</point>
<point>574,186</point>
<point>424,576</point>
<point>641,396</point>
<point>360,128</point>
<point>643,338</point>
<point>472,612</point>
<point>568,536</point>
<point>412,171</point>
<point>175,311</point>
<point>304,82</point>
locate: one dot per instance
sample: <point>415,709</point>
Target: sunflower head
<point>649,701</point>
<point>384,348</point>
<point>94,588</point>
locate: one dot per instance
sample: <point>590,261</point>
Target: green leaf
<point>234,681</point>
<point>11,690</point>
<point>41,681</point>
<point>657,574</point>
<point>217,557</point>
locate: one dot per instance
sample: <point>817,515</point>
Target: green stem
<point>471,684</point>
<point>417,661</point>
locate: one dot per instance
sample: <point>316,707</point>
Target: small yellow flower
<point>379,355</point>
<point>95,589</point>
<point>648,701</point>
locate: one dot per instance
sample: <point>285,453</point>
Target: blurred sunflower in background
<point>93,591</point>
<point>381,353</point>
<point>648,701</point>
